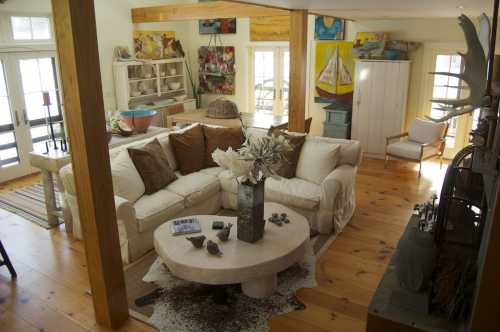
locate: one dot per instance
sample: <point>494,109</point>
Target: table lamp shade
<point>46,98</point>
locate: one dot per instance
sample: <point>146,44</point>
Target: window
<point>30,28</point>
<point>9,155</point>
<point>447,87</point>
<point>270,72</point>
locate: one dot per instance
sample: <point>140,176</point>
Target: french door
<point>23,78</point>
<point>269,74</point>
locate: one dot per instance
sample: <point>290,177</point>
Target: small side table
<point>6,261</point>
<point>50,164</point>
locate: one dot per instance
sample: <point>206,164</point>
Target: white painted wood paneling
<point>379,106</point>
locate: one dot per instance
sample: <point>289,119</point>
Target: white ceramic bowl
<point>174,85</point>
<point>180,98</point>
<point>172,71</point>
<point>147,75</point>
<point>135,93</point>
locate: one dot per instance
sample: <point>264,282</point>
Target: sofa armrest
<point>125,214</point>
<point>337,198</point>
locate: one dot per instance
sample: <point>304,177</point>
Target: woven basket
<point>222,109</point>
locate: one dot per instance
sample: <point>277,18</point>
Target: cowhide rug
<point>186,306</point>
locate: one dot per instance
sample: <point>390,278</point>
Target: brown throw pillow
<point>189,149</point>
<point>221,138</point>
<point>152,164</point>
<point>291,158</point>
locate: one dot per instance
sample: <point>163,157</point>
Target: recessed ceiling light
<point>460,7</point>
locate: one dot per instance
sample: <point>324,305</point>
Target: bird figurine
<point>197,241</point>
<point>213,248</point>
<point>223,234</point>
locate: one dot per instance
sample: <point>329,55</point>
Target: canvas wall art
<point>270,28</point>
<point>328,28</point>
<point>369,44</point>
<point>154,44</point>
<point>217,69</point>
<point>217,26</point>
<point>334,73</point>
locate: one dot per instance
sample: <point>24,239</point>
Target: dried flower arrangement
<point>256,160</point>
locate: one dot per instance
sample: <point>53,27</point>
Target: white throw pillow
<point>317,159</point>
<point>127,182</point>
<point>425,131</point>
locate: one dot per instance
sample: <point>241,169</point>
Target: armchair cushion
<point>195,187</point>
<point>293,192</point>
<point>317,159</point>
<point>425,131</point>
<point>410,150</point>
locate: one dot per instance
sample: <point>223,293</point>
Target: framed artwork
<point>270,28</point>
<point>154,44</point>
<point>217,69</point>
<point>217,26</point>
<point>329,28</point>
<point>334,73</point>
<point>369,44</point>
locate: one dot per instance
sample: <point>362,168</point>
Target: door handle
<point>25,116</point>
<point>281,94</point>
<point>16,116</point>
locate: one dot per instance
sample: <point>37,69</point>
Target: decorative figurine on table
<point>427,213</point>
<point>197,241</point>
<point>50,127</point>
<point>223,234</point>
<point>213,248</point>
<point>279,219</point>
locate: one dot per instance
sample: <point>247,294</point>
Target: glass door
<point>270,76</point>
<point>23,127</point>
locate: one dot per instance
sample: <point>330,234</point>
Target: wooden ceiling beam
<point>203,10</point>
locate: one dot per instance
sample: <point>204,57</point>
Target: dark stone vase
<point>251,211</point>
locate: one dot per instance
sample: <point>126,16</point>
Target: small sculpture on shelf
<point>223,234</point>
<point>197,241</point>
<point>213,248</point>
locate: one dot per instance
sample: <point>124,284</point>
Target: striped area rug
<point>28,203</point>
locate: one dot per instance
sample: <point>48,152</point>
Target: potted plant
<point>256,160</point>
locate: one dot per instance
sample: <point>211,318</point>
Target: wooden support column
<point>298,70</point>
<point>75,28</point>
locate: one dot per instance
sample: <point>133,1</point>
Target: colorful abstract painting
<point>217,69</point>
<point>154,44</point>
<point>270,28</point>
<point>217,26</point>
<point>369,44</point>
<point>328,28</point>
<point>334,73</point>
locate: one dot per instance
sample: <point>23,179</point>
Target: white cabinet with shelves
<point>149,82</point>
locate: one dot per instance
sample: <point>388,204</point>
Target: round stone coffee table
<point>254,265</point>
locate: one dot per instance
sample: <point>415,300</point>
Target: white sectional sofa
<point>328,205</point>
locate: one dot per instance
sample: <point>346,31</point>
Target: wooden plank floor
<point>51,293</point>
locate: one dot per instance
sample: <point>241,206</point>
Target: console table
<point>50,163</point>
<point>252,120</point>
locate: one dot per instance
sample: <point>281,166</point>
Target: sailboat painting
<point>334,73</point>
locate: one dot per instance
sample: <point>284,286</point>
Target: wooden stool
<point>6,261</point>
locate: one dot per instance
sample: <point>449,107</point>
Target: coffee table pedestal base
<point>261,287</point>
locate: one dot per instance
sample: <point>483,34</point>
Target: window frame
<point>7,30</point>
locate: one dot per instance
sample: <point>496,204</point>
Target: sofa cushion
<point>152,164</point>
<point>153,210</point>
<point>318,158</point>
<point>213,171</point>
<point>127,182</point>
<point>189,149</point>
<point>294,192</point>
<point>195,187</point>
<point>410,150</point>
<point>425,131</point>
<point>221,138</point>
<point>288,166</point>
<point>169,151</point>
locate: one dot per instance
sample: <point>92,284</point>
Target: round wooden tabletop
<point>281,247</point>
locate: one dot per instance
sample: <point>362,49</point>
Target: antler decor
<point>474,75</point>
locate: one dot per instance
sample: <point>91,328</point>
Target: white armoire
<point>379,105</point>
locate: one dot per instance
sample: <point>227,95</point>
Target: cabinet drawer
<point>337,131</point>
<point>337,117</point>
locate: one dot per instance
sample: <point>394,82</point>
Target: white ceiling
<point>388,8</point>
